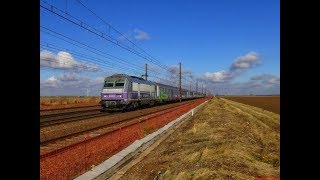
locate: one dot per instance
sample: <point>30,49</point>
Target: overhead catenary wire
<point>55,47</point>
<point>94,60</point>
<point>72,67</point>
<point>87,47</point>
<point>83,67</point>
<point>93,30</point>
<point>134,44</point>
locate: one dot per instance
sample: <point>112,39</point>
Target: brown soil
<point>224,140</point>
<point>270,103</point>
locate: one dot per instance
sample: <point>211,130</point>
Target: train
<point>122,91</point>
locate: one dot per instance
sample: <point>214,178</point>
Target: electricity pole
<point>202,90</point>
<point>197,88</point>
<point>180,82</point>
<point>146,75</point>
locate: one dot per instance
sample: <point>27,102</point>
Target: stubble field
<point>224,140</point>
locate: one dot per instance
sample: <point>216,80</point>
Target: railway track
<point>53,119</point>
<point>77,151</point>
<point>70,109</point>
<point>60,116</point>
<point>114,121</point>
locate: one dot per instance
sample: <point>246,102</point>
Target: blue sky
<point>239,38</point>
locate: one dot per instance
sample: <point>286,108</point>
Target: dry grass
<point>67,101</point>
<point>225,140</point>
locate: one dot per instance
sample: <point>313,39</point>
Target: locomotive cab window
<point>108,84</point>
<point>119,83</point>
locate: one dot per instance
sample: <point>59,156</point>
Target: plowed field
<point>270,103</point>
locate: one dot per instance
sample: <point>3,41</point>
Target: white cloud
<point>70,84</point>
<point>220,76</point>
<point>173,73</point>
<point>52,79</point>
<point>240,65</point>
<point>140,35</point>
<point>262,77</point>
<point>174,69</point>
<point>274,80</point>
<point>51,82</point>
<point>266,79</point>
<point>99,79</point>
<point>64,60</point>
<point>263,84</point>
<point>131,35</point>
<point>245,62</point>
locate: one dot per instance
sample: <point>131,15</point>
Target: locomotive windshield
<point>108,84</point>
<point>119,83</point>
<point>114,83</point>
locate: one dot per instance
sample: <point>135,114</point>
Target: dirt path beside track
<point>225,139</point>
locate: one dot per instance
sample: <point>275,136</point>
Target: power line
<point>78,54</point>
<point>102,63</point>
<point>75,66</point>
<point>134,45</point>
<point>87,46</point>
<point>93,30</point>
<point>180,92</point>
<point>91,49</point>
<point>81,67</point>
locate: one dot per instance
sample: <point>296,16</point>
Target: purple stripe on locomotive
<point>133,95</point>
<point>124,96</point>
<point>114,96</point>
